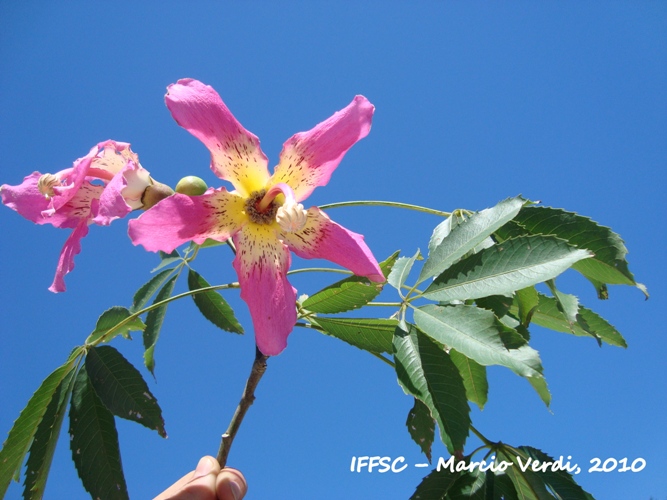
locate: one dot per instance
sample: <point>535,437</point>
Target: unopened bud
<point>292,217</point>
<point>154,193</point>
<point>191,186</point>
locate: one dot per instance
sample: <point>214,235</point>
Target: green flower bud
<point>191,185</point>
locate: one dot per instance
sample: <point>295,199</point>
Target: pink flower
<point>263,213</point>
<point>104,185</point>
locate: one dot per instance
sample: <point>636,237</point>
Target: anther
<point>46,183</point>
<point>292,217</point>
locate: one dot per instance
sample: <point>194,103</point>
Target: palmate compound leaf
<point>351,293</point>
<point>154,320</point>
<point>547,315</point>
<point>607,266</point>
<point>23,431</point>
<point>421,427</point>
<point>450,244</point>
<point>46,437</point>
<point>211,304</point>
<point>113,322</point>
<point>94,443</point>
<point>425,371</point>
<point>479,335</point>
<point>122,389</point>
<point>373,335</point>
<point>503,268</point>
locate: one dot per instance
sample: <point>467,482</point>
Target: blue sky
<point>475,102</point>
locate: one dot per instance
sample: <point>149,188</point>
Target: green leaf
<point>527,299</point>
<point>22,432</point>
<point>608,264</point>
<point>479,335</point>
<point>474,378</point>
<point>144,293</point>
<point>94,443</point>
<point>501,486</point>
<point>559,482</point>
<point>374,335</point>
<point>426,372</point>
<point>154,321</point>
<point>567,304</point>
<point>549,316</point>
<point>471,485</point>
<point>350,293</point>
<point>211,304</point>
<point>475,333</point>
<point>46,437</point>
<point>107,327</point>
<point>528,484</point>
<point>500,270</point>
<point>122,389</point>
<point>401,270</point>
<point>167,259</point>
<point>435,485</point>
<point>466,236</point>
<point>421,427</point>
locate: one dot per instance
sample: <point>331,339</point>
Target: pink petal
<point>261,263</point>
<point>235,153</point>
<point>309,158</point>
<point>321,238</point>
<point>103,161</point>
<point>71,248</point>
<point>217,214</point>
<point>115,199</point>
<point>26,199</point>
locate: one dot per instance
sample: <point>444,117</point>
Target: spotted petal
<point>71,248</point>
<point>217,214</point>
<point>235,152</point>
<point>261,263</point>
<point>309,158</point>
<point>321,238</point>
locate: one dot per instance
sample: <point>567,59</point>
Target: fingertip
<point>207,465</point>
<point>231,485</point>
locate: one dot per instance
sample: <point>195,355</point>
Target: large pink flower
<point>104,185</point>
<point>263,214</point>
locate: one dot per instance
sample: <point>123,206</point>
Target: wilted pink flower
<point>104,185</point>
<point>263,214</point>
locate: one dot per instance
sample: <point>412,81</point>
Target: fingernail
<point>236,490</point>
<point>204,467</point>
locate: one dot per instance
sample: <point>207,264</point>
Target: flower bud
<point>191,186</point>
<point>154,193</point>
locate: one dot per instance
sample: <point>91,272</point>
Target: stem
<point>248,397</point>
<point>481,436</point>
<point>319,269</point>
<point>394,204</point>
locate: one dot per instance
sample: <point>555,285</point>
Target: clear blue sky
<point>561,102</point>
